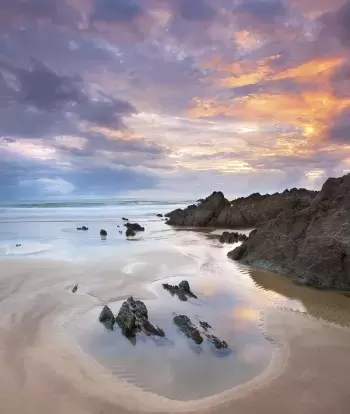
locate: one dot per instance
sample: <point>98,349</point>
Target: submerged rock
<point>130,232</point>
<point>134,226</point>
<point>75,288</point>
<point>204,325</point>
<point>182,291</point>
<point>217,342</point>
<point>159,215</point>
<point>107,317</point>
<point>186,326</point>
<point>103,233</point>
<point>83,228</point>
<point>133,318</point>
<point>125,219</point>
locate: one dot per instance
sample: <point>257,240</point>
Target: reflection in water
<point>330,306</point>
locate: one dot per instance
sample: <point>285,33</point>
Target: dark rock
<point>133,318</point>
<point>159,215</point>
<point>204,325</point>
<point>311,245</point>
<point>18,245</point>
<point>130,232</point>
<point>125,219</point>
<point>182,291</point>
<point>134,226</point>
<point>118,225</point>
<point>237,253</point>
<point>200,200</point>
<point>232,237</point>
<point>83,228</point>
<point>243,212</point>
<point>126,320</point>
<point>107,317</point>
<point>120,232</point>
<point>103,233</point>
<point>75,288</point>
<point>185,325</point>
<point>218,343</point>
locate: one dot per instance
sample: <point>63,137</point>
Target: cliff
<point>310,244</point>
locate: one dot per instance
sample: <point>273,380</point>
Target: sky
<point>172,98</point>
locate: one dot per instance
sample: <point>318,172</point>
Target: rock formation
<point>134,226</point>
<point>107,317</point>
<point>103,233</point>
<point>232,237</point>
<point>133,318</point>
<point>182,291</point>
<point>243,212</point>
<point>310,244</point>
<point>186,326</point>
<point>129,232</point>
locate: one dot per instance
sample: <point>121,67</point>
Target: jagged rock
<point>133,318</point>
<point>130,232</point>
<point>75,288</point>
<point>218,343</point>
<point>107,317</point>
<point>134,226</point>
<point>232,237</point>
<point>182,291</point>
<point>312,245</point>
<point>243,212</point>
<point>204,325</point>
<point>159,215</point>
<point>186,326</point>
<point>103,233</point>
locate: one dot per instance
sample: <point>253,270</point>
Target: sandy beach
<point>288,345</point>
<point>44,368</point>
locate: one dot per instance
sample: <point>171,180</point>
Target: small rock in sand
<point>75,288</point>
<point>159,215</point>
<point>18,245</point>
<point>103,233</point>
<point>125,219</point>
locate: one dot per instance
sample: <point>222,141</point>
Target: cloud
<point>116,10</point>
<point>262,10</point>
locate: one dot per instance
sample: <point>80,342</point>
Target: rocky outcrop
<point>311,244</point>
<point>134,226</point>
<point>205,214</point>
<point>243,212</point>
<point>182,291</point>
<point>159,215</point>
<point>107,317</point>
<point>232,237</point>
<point>133,318</point>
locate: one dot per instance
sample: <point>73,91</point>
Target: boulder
<point>133,318</point>
<point>159,215</point>
<point>311,245</point>
<point>83,228</point>
<point>75,288</point>
<point>182,291</point>
<point>134,226</point>
<point>184,323</point>
<point>130,232</point>
<point>107,317</point>
<point>103,233</point>
<point>125,219</point>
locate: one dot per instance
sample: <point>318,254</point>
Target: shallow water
<point>37,300</point>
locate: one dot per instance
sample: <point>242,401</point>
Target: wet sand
<point>44,369</point>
